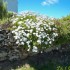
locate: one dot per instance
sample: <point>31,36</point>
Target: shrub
<point>10,14</point>
<point>3,9</point>
<point>63,26</point>
<point>34,32</point>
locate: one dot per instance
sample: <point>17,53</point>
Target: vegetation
<point>33,32</point>
<point>3,9</point>
<point>63,26</point>
<point>36,33</point>
<point>5,16</point>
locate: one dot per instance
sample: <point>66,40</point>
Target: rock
<point>1,37</point>
<point>7,41</point>
<point>3,55</point>
<point>24,55</point>
<point>8,47</point>
<point>13,55</point>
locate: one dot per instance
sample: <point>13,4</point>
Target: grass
<point>25,67</point>
<point>3,21</point>
<point>52,65</point>
<point>44,68</point>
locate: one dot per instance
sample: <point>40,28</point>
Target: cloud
<point>49,2</point>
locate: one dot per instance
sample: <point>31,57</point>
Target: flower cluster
<point>34,32</point>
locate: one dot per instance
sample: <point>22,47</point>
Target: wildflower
<point>35,49</point>
<point>20,22</point>
<point>39,41</point>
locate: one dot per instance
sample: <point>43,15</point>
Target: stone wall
<point>10,50</point>
<point>8,47</point>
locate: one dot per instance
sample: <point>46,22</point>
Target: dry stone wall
<point>8,47</point>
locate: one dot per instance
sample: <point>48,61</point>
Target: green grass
<point>25,67</point>
<point>44,68</point>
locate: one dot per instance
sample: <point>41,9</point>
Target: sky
<point>51,8</point>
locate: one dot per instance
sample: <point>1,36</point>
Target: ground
<point>44,61</point>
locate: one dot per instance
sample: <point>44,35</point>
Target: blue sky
<point>51,8</point>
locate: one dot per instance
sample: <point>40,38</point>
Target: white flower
<point>28,42</point>
<point>21,18</point>
<point>49,28</point>
<point>24,39</point>
<point>34,33</point>
<point>17,42</point>
<point>15,20</point>
<point>55,34</point>
<point>31,31</point>
<point>48,39</point>
<point>46,42</point>
<point>34,49</point>
<point>33,24</point>
<point>19,27</point>
<point>39,23</point>
<point>54,29</point>
<point>27,34</point>
<point>39,41</point>
<point>38,29</point>
<point>22,43</point>
<point>16,37</point>
<point>50,42</point>
<point>52,39</point>
<point>47,25</point>
<point>14,26</point>
<point>20,22</point>
<point>44,36</point>
<point>24,34</point>
<point>44,27</point>
<point>13,31</point>
<point>28,45</point>
<point>20,39</point>
<point>37,34</point>
<point>51,23</point>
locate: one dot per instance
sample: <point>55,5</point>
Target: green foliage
<point>63,26</point>
<point>10,14</point>
<point>25,68</point>
<point>31,22</point>
<point>3,9</point>
<point>3,21</point>
<point>5,16</point>
<point>34,31</point>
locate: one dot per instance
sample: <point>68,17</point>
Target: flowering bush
<point>34,32</point>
